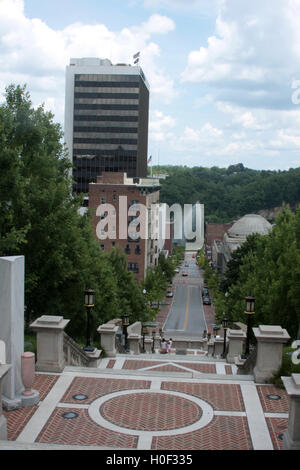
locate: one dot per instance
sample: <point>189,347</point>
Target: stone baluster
<point>50,343</point>
<point>291,438</point>
<point>270,340</point>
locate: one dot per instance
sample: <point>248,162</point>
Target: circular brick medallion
<point>150,411</point>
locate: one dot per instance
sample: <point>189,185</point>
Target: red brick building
<point>121,193</point>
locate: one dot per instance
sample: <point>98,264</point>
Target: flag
<point>136,55</point>
<point>136,61</point>
<point>149,159</point>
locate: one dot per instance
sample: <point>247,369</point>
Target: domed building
<point>236,236</point>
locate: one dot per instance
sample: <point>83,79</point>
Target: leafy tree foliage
<point>228,193</point>
<point>267,267</point>
<point>39,219</point>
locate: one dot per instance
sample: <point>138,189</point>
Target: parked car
<point>186,265</point>
<point>206,300</point>
<point>176,270</point>
<point>169,293</point>
<point>184,274</point>
<point>205,292</point>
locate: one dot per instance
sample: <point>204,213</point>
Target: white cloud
<point>254,54</point>
<point>32,52</point>
<point>160,126</point>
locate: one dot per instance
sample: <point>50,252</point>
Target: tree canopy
<point>229,193</point>
<point>39,218</point>
<point>267,267</point>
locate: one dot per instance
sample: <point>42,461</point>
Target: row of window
<point>129,96</point>
<point>113,118</point>
<point>92,77</point>
<point>116,107</point>
<point>97,84</point>
<point>119,130</point>
<point>103,159</point>
<point>92,148</point>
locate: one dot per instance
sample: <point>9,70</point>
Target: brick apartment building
<point>117,190</point>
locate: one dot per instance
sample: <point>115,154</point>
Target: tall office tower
<point>106,119</point>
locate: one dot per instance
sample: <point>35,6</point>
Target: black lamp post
<point>125,324</point>
<point>89,302</point>
<point>250,310</point>
<point>225,326</point>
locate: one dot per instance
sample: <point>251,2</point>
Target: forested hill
<point>232,192</point>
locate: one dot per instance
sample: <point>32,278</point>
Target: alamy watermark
<point>296,354</point>
<point>138,221</point>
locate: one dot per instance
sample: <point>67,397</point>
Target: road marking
<point>187,308</point>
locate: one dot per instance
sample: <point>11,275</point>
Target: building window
<point>103,200</point>
<point>114,196</point>
<point>133,201</point>
<point>113,244</point>
<point>102,246</point>
<point>127,249</point>
<point>133,267</point>
<point>137,250</point>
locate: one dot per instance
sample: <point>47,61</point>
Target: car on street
<point>169,293</point>
<point>184,274</point>
<point>206,300</point>
<point>205,292</point>
<point>176,270</point>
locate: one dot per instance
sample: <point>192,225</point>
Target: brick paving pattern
<point>273,406</point>
<point>17,419</point>
<point>81,431</point>
<point>223,433</point>
<point>199,367</point>
<point>110,364</point>
<point>139,364</point>
<point>225,397</point>
<point>277,426</point>
<point>150,411</point>
<point>94,388</point>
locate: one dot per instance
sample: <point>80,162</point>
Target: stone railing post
<point>50,343</point>
<point>4,368</point>
<point>236,340</point>
<point>107,333</point>
<point>134,343</point>
<point>270,340</point>
<point>218,347</point>
<point>210,347</point>
<point>291,438</point>
<point>148,344</point>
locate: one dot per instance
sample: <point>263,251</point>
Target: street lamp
<point>125,324</point>
<point>89,302</point>
<point>225,326</point>
<point>250,310</point>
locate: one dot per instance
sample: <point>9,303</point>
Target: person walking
<point>163,346</point>
<point>170,342</point>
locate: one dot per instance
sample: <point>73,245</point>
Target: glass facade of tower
<point>110,126</point>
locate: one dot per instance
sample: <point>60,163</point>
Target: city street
<point>186,315</point>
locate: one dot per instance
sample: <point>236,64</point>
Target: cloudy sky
<point>224,74</point>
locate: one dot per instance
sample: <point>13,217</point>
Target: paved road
<point>186,315</point>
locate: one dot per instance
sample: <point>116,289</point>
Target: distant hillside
<point>229,193</point>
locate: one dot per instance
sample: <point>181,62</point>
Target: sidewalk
<point>149,402</point>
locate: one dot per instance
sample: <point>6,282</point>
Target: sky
<point>224,75</point>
